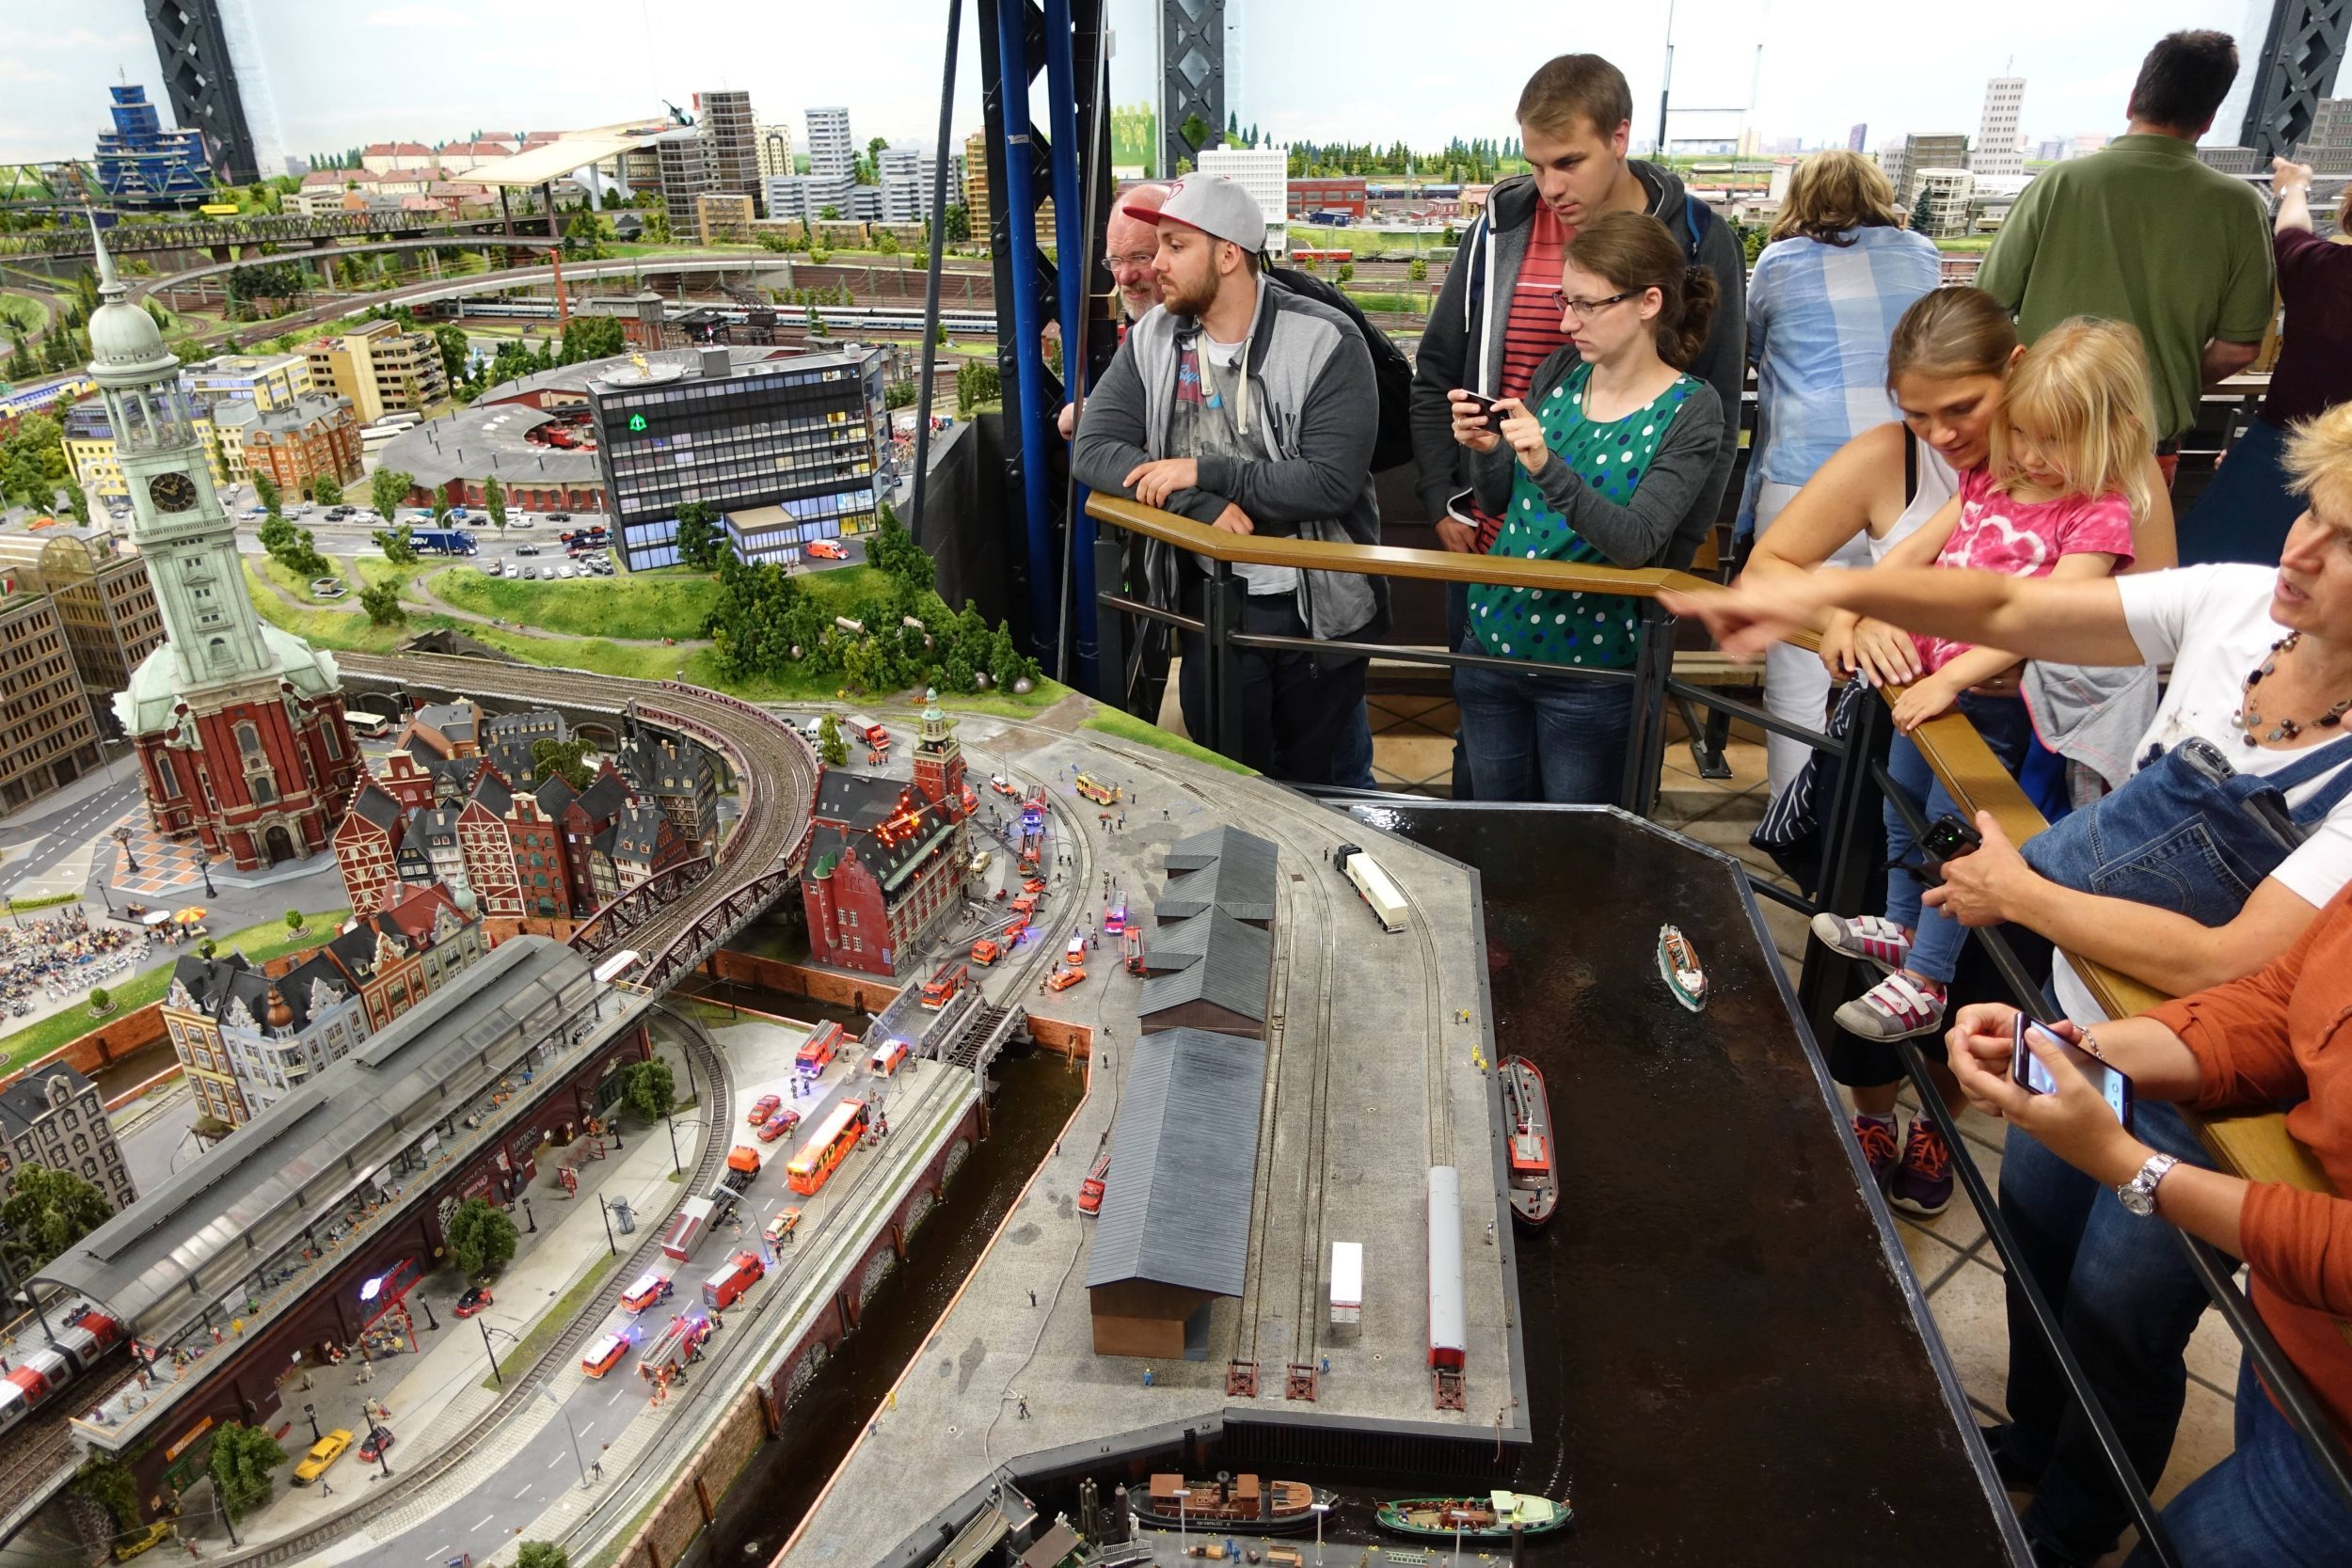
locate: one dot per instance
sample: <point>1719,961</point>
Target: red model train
<point>87,1336</point>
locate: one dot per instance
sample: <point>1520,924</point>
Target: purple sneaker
<point>1922,1183</point>
<point>1876,1135</point>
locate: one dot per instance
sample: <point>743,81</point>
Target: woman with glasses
<point>1599,463</point>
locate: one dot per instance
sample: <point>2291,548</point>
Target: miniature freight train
<point>86,1339</point>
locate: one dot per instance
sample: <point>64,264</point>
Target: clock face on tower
<point>171,492</point>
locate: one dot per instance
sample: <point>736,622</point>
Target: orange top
<point>2272,1038</point>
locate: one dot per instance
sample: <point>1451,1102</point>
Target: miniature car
<point>1090,1190</point>
<point>378,1442</point>
<point>784,1225</point>
<point>778,1125</point>
<point>474,1301</point>
<point>1005,786</point>
<point>652,1288</point>
<point>322,1453</point>
<point>762,1107</point>
<point>1077,951</point>
<point>605,1351</point>
<point>886,1057</point>
<point>828,550</point>
<point>1066,979</point>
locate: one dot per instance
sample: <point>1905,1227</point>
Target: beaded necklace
<point>2249,721</point>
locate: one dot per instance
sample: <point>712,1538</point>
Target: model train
<point>76,1348</point>
<point>1449,1319</point>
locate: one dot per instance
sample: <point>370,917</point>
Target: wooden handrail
<point>2256,1147</point>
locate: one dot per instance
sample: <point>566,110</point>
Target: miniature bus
<point>1097,791</point>
<point>807,1171</point>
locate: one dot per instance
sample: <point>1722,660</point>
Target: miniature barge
<point>1493,1517</point>
<point>1535,1172</point>
<point>1236,1505</point>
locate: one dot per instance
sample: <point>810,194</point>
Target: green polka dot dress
<point>1610,456</point>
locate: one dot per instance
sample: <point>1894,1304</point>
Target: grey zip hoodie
<point>1463,345</point>
<point>1312,400</point>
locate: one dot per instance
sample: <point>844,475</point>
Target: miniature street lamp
<point>123,837</point>
<point>204,869</point>
<point>312,1412</point>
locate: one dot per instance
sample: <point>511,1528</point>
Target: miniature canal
<point>1690,1383</point>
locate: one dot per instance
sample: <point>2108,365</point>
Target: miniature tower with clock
<point>239,725</point>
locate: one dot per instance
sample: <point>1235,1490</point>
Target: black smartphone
<point>2030,1074</point>
<point>1948,838</point>
<point>1487,408</point>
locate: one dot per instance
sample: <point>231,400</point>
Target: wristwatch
<point>2139,1193</point>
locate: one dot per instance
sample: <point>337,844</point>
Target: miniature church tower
<point>239,726</point>
<point>939,761</point>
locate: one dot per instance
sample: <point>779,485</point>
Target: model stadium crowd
<point>1963,492</point>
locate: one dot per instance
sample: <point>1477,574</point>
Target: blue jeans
<point>2245,512</point>
<point>1937,939</point>
<point>1351,765</point>
<point>2266,1506</point>
<point>2127,1301</point>
<point>1541,738</point>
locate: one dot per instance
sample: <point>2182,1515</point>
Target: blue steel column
<point>1036,416</point>
<point>1071,241</point>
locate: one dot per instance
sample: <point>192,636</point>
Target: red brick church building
<point>886,859</point>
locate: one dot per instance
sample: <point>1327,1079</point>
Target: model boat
<point>1680,967</point>
<point>1235,1505</point>
<point>1487,1518</point>
<point>1527,1110</point>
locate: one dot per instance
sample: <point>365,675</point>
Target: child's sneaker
<point>1870,936</point>
<point>1896,1008</point>
<point>1922,1183</point>
<point>1876,1135</point>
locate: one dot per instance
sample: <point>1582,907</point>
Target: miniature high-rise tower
<point>239,725</point>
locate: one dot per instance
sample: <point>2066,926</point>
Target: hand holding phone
<point>1484,404</point>
<point>2031,1074</point>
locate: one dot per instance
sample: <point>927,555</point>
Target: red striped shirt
<point>1530,330</point>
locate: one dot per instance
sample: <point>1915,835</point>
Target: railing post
<point>1220,684</point>
<point>1111,683</point>
<point>1849,832</point>
<point>1645,742</point>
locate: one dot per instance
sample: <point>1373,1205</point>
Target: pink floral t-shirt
<point>2024,539</point>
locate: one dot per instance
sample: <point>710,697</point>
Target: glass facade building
<point>785,451</point>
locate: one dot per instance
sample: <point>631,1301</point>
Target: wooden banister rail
<point>2257,1146</point>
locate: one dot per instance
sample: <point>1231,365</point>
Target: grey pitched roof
<point>1232,972</point>
<point>635,832</point>
<point>23,1103</point>
<point>554,794</point>
<point>1184,1163</point>
<point>1224,869</point>
<point>605,796</point>
<point>374,806</point>
<point>1182,943</point>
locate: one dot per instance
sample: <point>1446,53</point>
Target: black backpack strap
<point>1910,467</point>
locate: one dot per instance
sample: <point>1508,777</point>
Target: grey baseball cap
<point>1212,203</point>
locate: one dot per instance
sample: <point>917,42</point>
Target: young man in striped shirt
<point>1495,319</point>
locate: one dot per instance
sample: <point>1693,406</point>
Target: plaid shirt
<point>1820,318</point>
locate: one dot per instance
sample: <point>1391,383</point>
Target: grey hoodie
<point>1463,345</point>
<point>1311,400</point>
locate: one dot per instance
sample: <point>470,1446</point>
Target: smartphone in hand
<point>2113,1083</point>
<point>1487,408</point>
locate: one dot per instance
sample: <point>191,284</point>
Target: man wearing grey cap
<point>1251,409</point>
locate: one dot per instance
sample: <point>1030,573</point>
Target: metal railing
<point>2254,1147</point>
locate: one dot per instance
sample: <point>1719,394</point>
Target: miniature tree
<point>327,490</point>
<point>650,1089</point>
<point>243,1460</point>
<point>388,489</point>
<point>831,749</point>
<point>541,1554</point>
<point>481,1237</point>
<point>47,1212</point>
<point>294,921</point>
<point>494,502</point>
<point>101,1002</point>
<point>382,603</point>
<point>266,491</point>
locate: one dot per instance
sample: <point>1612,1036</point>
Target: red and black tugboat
<point>1534,1163</point>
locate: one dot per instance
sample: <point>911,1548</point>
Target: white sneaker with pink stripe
<point>1871,937</point>
<point>1896,1008</point>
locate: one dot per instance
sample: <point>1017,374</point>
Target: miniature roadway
<point>1372,1078</point>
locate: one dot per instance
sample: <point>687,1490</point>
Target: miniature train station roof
<point>1222,869</point>
<point>207,1226</point>
<point>1184,1164</point>
<point>536,166</point>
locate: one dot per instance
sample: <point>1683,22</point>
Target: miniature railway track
<point>424,1473</point>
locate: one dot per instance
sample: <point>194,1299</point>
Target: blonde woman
<point>1822,308</point>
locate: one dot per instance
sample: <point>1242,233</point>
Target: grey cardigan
<point>1641,531</point>
<point>1313,402</point>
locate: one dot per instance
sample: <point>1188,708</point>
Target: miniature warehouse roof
<point>1224,987</point>
<point>1224,869</point>
<point>202,1230</point>
<point>1183,1163</point>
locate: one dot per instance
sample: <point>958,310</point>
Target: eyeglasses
<point>1584,310</point>
<point>1139,261</point>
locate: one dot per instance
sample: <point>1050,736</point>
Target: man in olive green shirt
<point>2143,234</point>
